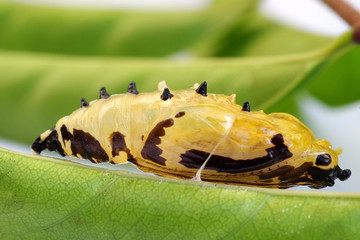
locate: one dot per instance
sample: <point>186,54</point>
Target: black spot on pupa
<point>166,94</point>
<point>343,174</point>
<point>323,159</point>
<point>103,93</point>
<point>118,145</point>
<point>195,158</point>
<point>65,134</point>
<point>246,107</point>
<point>278,140</point>
<point>150,150</point>
<point>133,160</point>
<point>202,89</point>
<point>295,172</point>
<point>85,145</point>
<point>83,103</point>
<point>132,88</point>
<point>323,178</point>
<point>305,174</point>
<point>51,143</point>
<point>179,114</point>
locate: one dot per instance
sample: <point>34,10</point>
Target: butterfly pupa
<point>174,133</point>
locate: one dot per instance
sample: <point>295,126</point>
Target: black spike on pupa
<point>246,106</point>
<point>343,174</point>
<point>84,103</point>
<point>202,89</point>
<point>103,93</point>
<point>132,88</point>
<point>166,94</point>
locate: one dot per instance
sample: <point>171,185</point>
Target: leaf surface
<point>44,198</point>
<point>113,33</point>
<point>224,28</point>
<point>339,83</point>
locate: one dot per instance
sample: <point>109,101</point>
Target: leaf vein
<point>256,211</point>
<point>73,212</point>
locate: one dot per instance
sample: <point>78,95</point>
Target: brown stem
<point>348,13</point>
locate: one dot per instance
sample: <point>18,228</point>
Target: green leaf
<point>339,83</point>
<point>254,35</point>
<point>46,198</point>
<point>225,28</point>
<point>43,88</point>
<point>113,33</point>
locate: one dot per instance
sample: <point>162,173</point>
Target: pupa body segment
<point>175,133</point>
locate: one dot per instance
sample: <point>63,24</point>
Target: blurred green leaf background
<point>50,57</point>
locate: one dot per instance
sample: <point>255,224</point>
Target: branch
<point>348,13</point>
